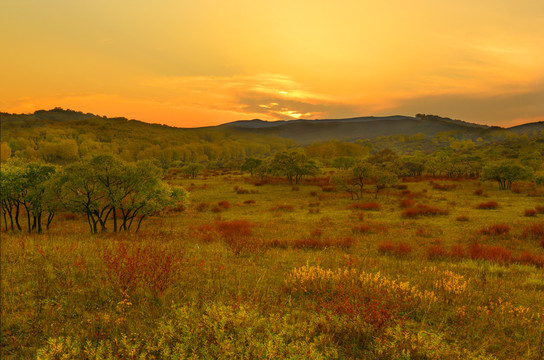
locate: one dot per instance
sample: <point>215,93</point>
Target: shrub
<point>365,206</point>
<point>462,218</point>
<point>242,191</point>
<point>527,257</point>
<point>478,192</point>
<point>497,229</point>
<point>202,207</point>
<point>423,210</point>
<point>436,251</point>
<point>406,203</point>
<point>401,249</point>
<point>438,186</point>
<point>488,205</point>
<point>319,243</point>
<point>249,202</point>
<point>457,251</point>
<point>530,212</point>
<point>316,233</point>
<point>328,188</point>
<point>490,253</point>
<point>134,266</point>
<point>313,193</point>
<point>283,208</point>
<point>236,234</point>
<point>224,204</point>
<point>534,231</point>
<point>539,209</point>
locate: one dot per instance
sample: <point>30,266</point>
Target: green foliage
<point>505,173</point>
<point>293,165</point>
<point>250,164</point>
<point>192,170</point>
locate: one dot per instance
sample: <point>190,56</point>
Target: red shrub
<point>530,212</point>
<point>488,205</point>
<point>202,207</point>
<point>318,243</point>
<point>438,186</point>
<point>224,204</point>
<point>457,251</point>
<point>423,210</point>
<point>365,206</point>
<point>406,203</point>
<point>436,251</point>
<point>283,208</point>
<point>527,257</point>
<point>497,229</point>
<point>314,204</point>
<point>398,249</point>
<point>402,186</point>
<point>234,228</point>
<point>491,253</point>
<point>534,231</point>
<point>363,229</point>
<point>313,193</point>
<point>539,209</point>
<point>242,191</point>
<point>216,209</point>
<point>249,202</point>
<point>462,218</point>
<point>134,266</point>
<point>478,192</point>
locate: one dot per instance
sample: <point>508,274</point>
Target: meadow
<point>251,268</point>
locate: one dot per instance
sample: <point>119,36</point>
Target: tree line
<point>104,188</point>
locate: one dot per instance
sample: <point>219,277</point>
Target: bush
<point>224,204</point>
<point>478,192</point>
<point>534,231</point>
<point>539,209</point>
<point>406,203</point>
<point>202,207</point>
<point>529,258</point>
<point>497,229</point>
<point>423,210</point>
<point>491,253</point>
<point>457,251</point>
<point>488,205</point>
<point>400,249</point>
<point>249,202</point>
<point>236,234</point>
<point>283,208</point>
<point>365,206</point>
<point>436,251</point>
<point>530,212</point>
<point>462,218</point>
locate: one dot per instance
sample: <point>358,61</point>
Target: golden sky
<point>201,62</point>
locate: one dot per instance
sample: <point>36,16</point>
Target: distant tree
<point>36,177</point>
<point>343,180</point>
<point>11,190</point>
<point>5,152</point>
<point>361,173</point>
<point>250,164</point>
<point>343,162</point>
<point>192,170</point>
<point>293,165</point>
<point>384,179</point>
<point>505,173</point>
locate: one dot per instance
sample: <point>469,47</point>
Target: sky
<point>200,62</point>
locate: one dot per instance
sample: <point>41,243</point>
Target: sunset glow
<point>200,63</point>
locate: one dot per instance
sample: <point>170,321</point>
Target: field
<point>253,269</point>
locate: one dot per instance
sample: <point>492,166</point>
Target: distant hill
<point>302,132</point>
<point>350,129</point>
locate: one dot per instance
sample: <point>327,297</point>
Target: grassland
<point>253,269</point>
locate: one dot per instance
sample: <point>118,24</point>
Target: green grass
<point>193,293</point>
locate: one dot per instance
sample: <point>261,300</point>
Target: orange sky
<point>198,63</point>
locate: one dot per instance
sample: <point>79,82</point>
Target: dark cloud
<point>491,110</point>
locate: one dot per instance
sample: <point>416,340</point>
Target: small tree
<point>250,164</point>
<point>361,173</point>
<point>384,179</point>
<point>506,172</point>
<point>192,170</point>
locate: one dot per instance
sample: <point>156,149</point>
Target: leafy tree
<point>250,164</point>
<point>11,189</point>
<point>384,179</point>
<point>36,176</point>
<point>293,165</point>
<point>343,162</point>
<point>343,180</point>
<point>505,173</point>
<point>192,170</point>
<point>361,173</point>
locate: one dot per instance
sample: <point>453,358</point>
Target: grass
<point>259,278</point>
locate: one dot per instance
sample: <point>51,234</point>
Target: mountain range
<point>300,131</point>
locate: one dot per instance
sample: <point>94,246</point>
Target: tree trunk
<point>39,222</point>
<point>49,219</point>
<point>114,220</point>
<point>140,223</point>
<point>17,217</point>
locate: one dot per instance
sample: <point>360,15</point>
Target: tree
<point>250,164</point>
<point>506,172</point>
<point>293,165</point>
<point>192,170</point>
<point>343,162</point>
<point>5,152</point>
<point>36,176</point>
<point>361,173</point>
<point>384,179</point>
